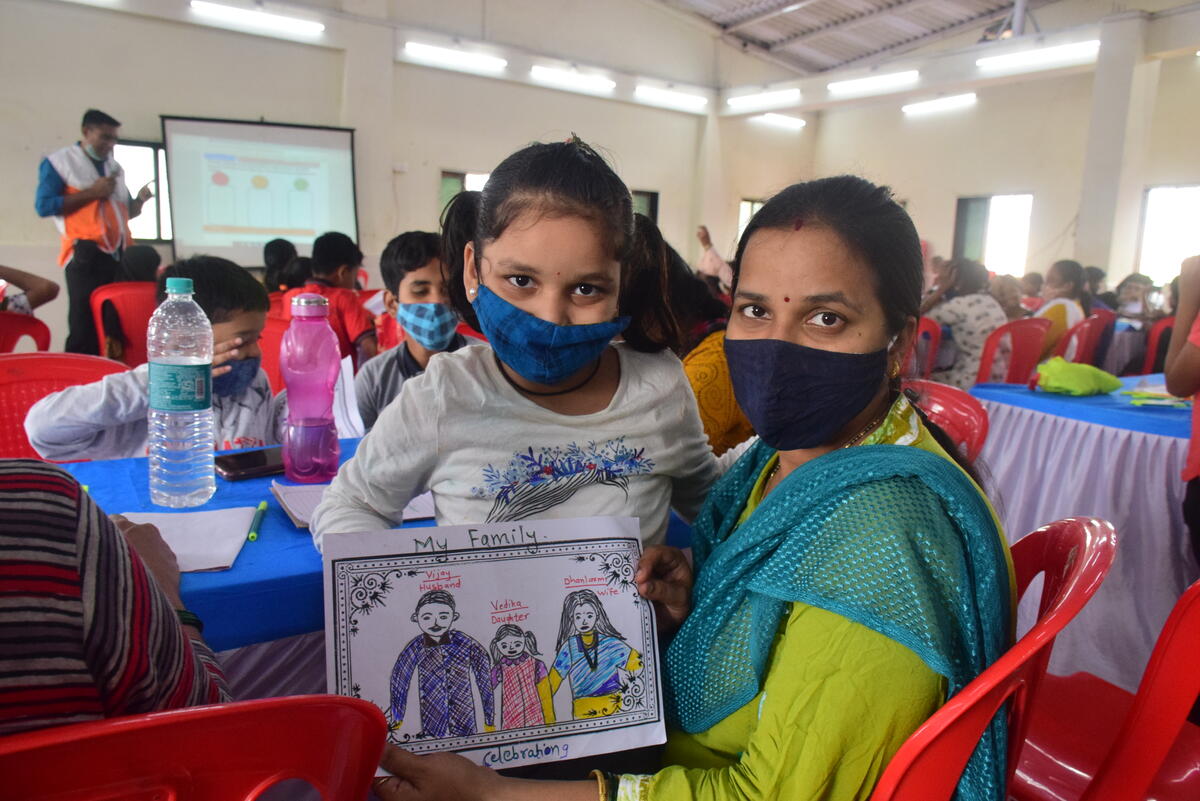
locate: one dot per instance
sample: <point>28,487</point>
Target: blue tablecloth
<point>1113,410</point>
<point>273,589</point>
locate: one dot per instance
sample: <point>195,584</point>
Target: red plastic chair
<point>223,752</point>
<point>1160,328</point>
<point>1089,740</point>
<point>269,342</point>
<point>13,326</point>
<point>1027,340</point>
<point>134,301</point>
<point>276,307</point>
<point>1032,304</point>
<point>923,354</point>
<point>1075,555</point>
<point>954,411</point>
<point>26,378</point>
<point>1086,336</point>
<point>363,276</point>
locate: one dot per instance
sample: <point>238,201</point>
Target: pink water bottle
<point>310,361</point>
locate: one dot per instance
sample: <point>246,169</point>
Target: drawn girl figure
<point>525,698</point>
<point>591,655</point>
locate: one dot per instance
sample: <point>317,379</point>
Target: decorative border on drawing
<point>362,585</point>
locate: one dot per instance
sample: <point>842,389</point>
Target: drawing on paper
<point>592,657</point>
<point>525,695</point>
<point>445,660</point>
<point>508,643</point>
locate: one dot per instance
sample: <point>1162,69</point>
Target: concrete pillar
<point>711,203</point>
<point>1112,193</point>
<point>367,99</point>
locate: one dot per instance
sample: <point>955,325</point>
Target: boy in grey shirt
<point>414,279</point>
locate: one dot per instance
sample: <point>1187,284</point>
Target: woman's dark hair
<point>276,254</point>
<point>574,600</point>
<point>692,302</point>
<point>296,273</point>
<point>972,277</point>
<point>871,223</point>
<point>563,179</point>
<point>220,287</point>
<point>409,251</point>
<point>1071,272</point>
<point>1094,277</point>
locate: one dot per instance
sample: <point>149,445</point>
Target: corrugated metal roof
<point>821,35</point>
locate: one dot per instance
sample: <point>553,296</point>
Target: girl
<point>525,696</point>
<point>590,653</point>
<point>1066,302</point>
<point>554,420</point>
<point>850,575</point>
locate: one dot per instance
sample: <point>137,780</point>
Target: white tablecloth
<point>1044,468</point>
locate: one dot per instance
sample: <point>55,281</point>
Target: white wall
<point>142,68</point>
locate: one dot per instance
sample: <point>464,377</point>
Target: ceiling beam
<point>787,61</point>
<point>869,59</point>
<point>784,8</point>
<point>850,22</point>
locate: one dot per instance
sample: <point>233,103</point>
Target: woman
<point>92,625</point>
<point>1066,302</point>
<point>590,655</point>
<point>962,304</point>
<point>843,564</point>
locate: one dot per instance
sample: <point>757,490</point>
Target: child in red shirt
<point>335,263</point>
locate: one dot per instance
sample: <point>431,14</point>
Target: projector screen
<point>237,185</point>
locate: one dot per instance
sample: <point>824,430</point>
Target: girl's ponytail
<point>460,220</point>
<point>644,298</point>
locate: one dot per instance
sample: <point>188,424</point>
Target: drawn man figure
<point>444,660</point>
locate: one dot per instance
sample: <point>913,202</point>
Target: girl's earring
<point>894,372</point>
<point>471,291</point>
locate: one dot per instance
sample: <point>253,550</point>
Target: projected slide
<point>237,185</point>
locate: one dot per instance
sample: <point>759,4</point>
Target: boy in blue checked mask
<point>414,279</point>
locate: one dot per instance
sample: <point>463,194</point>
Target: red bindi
<point>787,300</point>
<point>799,225</point>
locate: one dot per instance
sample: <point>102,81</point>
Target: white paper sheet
<point>507,581</point>
<point>299,501</point>
<point>345,404</point>
<point>375,304</point>
<point>209,540</point>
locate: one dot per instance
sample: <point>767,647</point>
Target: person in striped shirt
<point>91,621</point>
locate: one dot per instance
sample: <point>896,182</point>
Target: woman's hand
<point>665,577</point>
<point>154,552</point>
<point>224,352</point>
<point>433,776</point>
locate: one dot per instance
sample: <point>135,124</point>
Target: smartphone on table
<point>250,464</point>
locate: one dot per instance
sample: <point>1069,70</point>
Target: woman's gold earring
<point>894,372</point>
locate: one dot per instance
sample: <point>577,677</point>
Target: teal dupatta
<point>895,538</point>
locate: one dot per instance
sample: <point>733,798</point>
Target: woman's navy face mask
<point>807,342</point>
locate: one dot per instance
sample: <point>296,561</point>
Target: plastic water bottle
<point>180,349</point>
<point>310,361</point>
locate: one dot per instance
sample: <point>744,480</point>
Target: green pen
<point>254,524</point>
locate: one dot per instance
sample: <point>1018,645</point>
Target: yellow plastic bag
<point>1067,378</point>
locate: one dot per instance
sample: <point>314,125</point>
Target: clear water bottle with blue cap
<point>180,349</point>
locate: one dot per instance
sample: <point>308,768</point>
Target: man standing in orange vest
<point>83,188</point>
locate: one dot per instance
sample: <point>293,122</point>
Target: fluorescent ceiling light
<point>453,58</point>
<point>1042,57</point>
<point>474,181</point>
<point>256,19</point>
<point>875,83</point>
<point>782,97</point>
<point>780,121</point>
<point>940,104</point>
<point>572,79</point>
<point>670,98</point>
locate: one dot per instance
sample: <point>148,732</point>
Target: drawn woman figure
<point>525,698</point>
<point>591,652</point>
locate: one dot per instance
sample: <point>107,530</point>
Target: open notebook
<point>300,501</point>
<point>208,540</point>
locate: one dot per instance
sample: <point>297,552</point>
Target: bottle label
<point>180,387</point>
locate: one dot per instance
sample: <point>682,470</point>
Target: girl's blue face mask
<point>541,351</point>
<point>239,378</point>
<point>431,324</point>
<point>800,397</point>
